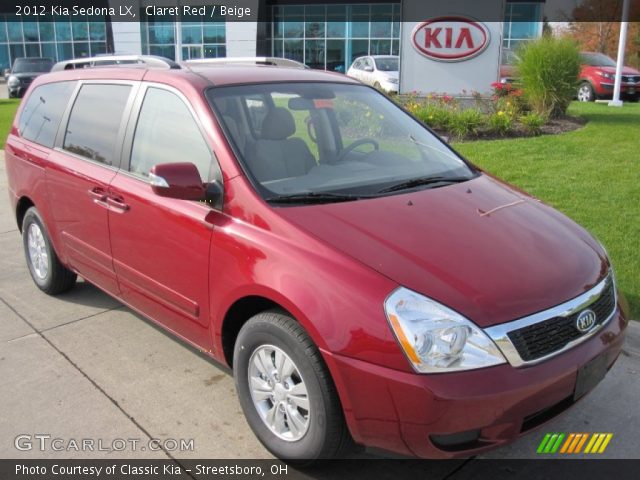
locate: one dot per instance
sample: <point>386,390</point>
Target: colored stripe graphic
<point>572,443</point>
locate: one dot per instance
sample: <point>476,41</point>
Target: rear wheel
<point>46,270</point>
<point>286,392</point>
<point>586,92</point>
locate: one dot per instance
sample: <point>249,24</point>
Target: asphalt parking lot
<point>83,366</point>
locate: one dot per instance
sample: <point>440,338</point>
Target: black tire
<point>327,435</point>
<point>58,278</point>
<point>586,93</point>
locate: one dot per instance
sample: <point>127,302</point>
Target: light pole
<point>179,33</point>
<point>616,102</point>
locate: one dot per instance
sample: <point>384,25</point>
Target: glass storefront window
<point>48,50</point>
<point>14,29</point>
<point>32,49</point>
<point>5,62</point>
<point>30,30</point>
<point>63,31</point>
<point>16,50</point>
<point>522,23</point>
<point>47,31</point>
<point>294,49</point>
<point>80,30</point>
<point>201,38</point>
<point>97,31</point>
<point>314,53</point>
<point>330,36</point>
<point>81,49</point>
<point>65,51</point>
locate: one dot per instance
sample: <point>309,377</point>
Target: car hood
<point>480,247</point>
<point>27,75</point>
<point>625,70</point>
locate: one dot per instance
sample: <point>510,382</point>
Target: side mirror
<point>368,69</point>
<point>177,180</point>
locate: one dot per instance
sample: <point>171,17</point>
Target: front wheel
<point>586,93</point>
<point>286,392</point>
<point>46,270</point>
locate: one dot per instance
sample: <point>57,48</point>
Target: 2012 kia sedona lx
<point>364,282</point>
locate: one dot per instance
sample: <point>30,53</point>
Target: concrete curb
<point>632,342</point>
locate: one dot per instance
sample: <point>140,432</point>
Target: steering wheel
<point>363,141</point>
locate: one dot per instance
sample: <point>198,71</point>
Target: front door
<point>161,245</point>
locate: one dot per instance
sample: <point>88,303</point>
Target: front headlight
<point>435,338</point>
<point>610,76</point>
<point>13,81</point>
<point>393,80</point>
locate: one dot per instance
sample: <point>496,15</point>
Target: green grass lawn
<point>592,175</point>
<point>7,111</point>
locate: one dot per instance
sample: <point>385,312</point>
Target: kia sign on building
<point>450,39</point>
<point>451,51</point>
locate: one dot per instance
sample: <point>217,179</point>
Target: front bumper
<point>465,413</point>
<point>606,89</point>
<point>389,87</point>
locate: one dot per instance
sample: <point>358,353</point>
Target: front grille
<point>543,338</point>
<point>631,79</point>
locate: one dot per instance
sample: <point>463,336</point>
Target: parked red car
<point>364,281</point>
<point>598,76</point>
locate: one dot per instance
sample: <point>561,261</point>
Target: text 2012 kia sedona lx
<point>364,282</point>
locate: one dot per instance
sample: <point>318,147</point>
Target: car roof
<point>211,75</point>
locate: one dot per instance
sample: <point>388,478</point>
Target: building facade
<point>325,35</point>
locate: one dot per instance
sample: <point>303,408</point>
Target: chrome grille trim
<point>499,333</point>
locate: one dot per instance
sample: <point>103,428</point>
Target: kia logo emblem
<point>450,39</point>
<point>586,320</point>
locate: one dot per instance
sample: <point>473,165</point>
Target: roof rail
<point>150,61</point>
<point>273,61</point>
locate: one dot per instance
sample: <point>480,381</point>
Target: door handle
<point>117,204</point>
<point>99,196</point>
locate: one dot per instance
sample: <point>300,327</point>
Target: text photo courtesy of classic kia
<point>365,289</point>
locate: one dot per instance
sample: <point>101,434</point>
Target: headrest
<point>278,124</point>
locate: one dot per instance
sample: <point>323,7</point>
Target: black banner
<point>356,469</point>
<point>338,10</point>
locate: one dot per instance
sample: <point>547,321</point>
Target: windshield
<point>597,60</point>
<point>387,64</point>
<point>325,138</point>
<point>32,65</point>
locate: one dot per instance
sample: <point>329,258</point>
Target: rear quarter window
<point>42,112</point>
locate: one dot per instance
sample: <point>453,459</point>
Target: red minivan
<point>366,283</point>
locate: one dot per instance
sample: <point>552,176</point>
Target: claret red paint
<point>365,282</point>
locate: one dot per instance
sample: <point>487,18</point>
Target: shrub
<point>500,123</point>
<point>548,69</point>
<point>532,122</point>
<point>466,122</point>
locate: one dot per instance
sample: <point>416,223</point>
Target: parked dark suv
<point>364,282</point>
<point>24,71</point>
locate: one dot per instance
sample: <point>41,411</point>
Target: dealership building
<point>323,35</point>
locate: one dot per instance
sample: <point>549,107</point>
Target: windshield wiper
<point>417,182</point>
<point>314,197</point>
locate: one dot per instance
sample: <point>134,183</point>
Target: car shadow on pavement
<point>86,294</point>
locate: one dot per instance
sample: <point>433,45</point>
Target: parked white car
<point>380,71</point>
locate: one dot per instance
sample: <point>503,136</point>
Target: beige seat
<point>275,155</point>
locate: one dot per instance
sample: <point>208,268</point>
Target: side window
<point>167,133</point>
<point>95,120</point>
<point>358,64</point>
<point>40,117</point>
